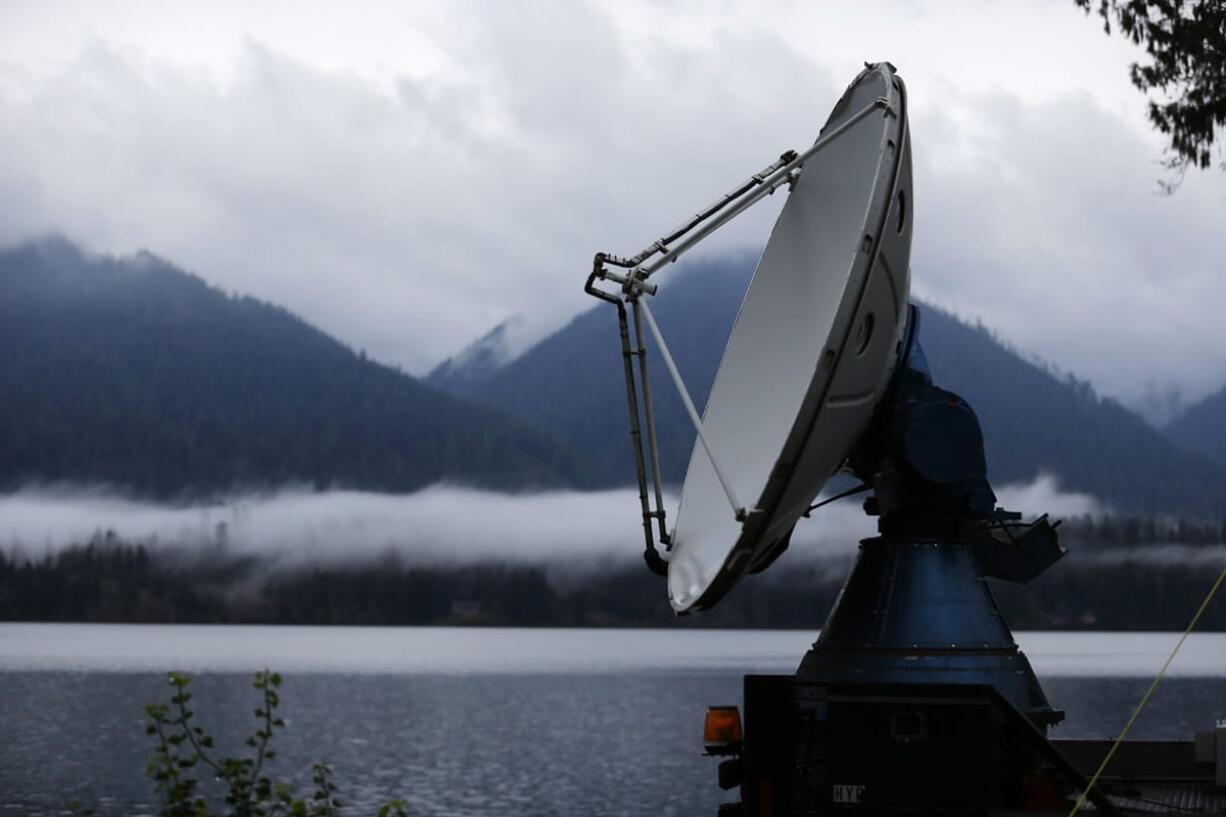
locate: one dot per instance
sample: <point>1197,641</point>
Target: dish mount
<point>831,289</point>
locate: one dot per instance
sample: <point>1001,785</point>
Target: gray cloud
<point>409,221</point>
<point>409,212</point>
<point>443,523</point>
<point>1042,221</point>
<point>295,527</point>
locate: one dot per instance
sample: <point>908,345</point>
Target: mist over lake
<point>298,527</point>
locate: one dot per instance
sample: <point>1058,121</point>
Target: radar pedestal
<point>919,612</point>
<point>917,608</point>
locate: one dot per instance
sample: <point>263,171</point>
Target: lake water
<point>481,721</point>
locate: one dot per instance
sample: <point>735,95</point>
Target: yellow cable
<point>1145,699</point>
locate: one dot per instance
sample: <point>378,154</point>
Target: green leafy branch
<point>183,748</point>
<point>1186,44</point>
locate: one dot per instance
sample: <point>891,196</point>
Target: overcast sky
<point>407,176</point>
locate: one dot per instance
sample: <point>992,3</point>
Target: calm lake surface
<point>481,721</point>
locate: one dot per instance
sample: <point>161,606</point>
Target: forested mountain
<point>135,374</point>
<point>1201,428</point>
<point>478,360</point>
<point>1034,419</point>
<point>571,382</point>
<point>1037,421</point>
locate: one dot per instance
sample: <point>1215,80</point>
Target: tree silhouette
<point>1186,43</point>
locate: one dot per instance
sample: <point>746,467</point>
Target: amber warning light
<point>721,732</point>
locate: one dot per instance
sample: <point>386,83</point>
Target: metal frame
<point>632,285</point>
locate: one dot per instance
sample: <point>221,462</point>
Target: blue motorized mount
<point>917,607</point>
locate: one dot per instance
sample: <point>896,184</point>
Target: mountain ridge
<point>482,357</point>
<point>1035,419</point>
<point>133,373</point>
<point>1201,427</point>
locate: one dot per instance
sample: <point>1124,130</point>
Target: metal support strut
<point>737,507</point>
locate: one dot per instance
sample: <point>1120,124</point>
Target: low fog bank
<point>1187,556</point>
<point>450,555</point>
<point>443,524</point>
<point>294,527</point>
<point>836,529</point>
<point>1044,495</point>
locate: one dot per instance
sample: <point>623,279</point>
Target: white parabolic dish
<point>812,348</point>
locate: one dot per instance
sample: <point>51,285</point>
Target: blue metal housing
<point>920,612</point>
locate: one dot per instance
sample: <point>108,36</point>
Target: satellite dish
<point>810,354</point>
<point>824,369</point>
<point>812,348</point>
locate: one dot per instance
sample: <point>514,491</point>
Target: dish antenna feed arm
<point>630,275</point>
<point>632,287</point>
